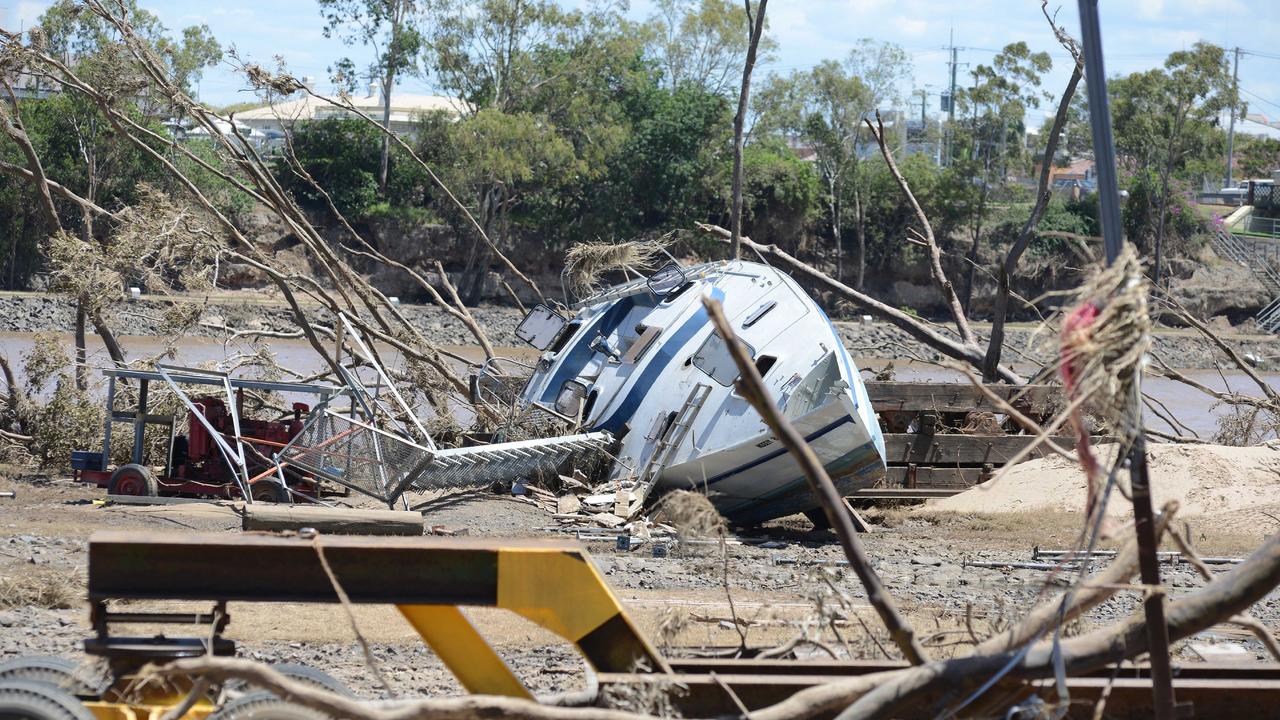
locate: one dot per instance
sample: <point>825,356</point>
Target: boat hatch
<point>541,327</point>
<point>714,359</point>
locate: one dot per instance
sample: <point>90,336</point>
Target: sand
<point>1239,485</point>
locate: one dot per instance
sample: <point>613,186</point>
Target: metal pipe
<point>8,494</point>
<point>1104,154</point>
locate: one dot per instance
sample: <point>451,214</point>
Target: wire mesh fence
<point>346,451</point>
<point>341,449</point>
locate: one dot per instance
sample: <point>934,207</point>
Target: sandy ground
<point>784,581</point>
<point>1230,488</point>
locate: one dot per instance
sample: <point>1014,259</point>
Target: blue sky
<point>1137,34</point>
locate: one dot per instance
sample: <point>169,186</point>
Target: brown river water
<point>1191,407</point>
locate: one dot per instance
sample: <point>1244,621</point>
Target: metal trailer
<point>223,454</point>
<point>552,583</point>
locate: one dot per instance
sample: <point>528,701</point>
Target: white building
<point>405,110</point>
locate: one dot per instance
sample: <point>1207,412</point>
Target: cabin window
<point>714,359</point>
<point>764,364</point>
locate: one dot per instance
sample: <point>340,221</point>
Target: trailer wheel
<point>263,706</point>
<point>269,491</point>
<point>56,671</point>
<point>31,700</point>
<point>133,479</point>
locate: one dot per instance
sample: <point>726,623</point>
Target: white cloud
<point>1151,9</point>
<point>911,27</point>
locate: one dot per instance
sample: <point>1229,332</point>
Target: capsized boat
<point>642,361</point>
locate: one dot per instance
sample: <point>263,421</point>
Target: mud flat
<point>775,576</point>
<point>248,310</point>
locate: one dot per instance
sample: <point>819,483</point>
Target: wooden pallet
<point>930,444</point>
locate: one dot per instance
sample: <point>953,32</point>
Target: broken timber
<point>943,438</point>
<point>336,521</point>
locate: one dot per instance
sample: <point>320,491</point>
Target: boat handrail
<point>639,285</point>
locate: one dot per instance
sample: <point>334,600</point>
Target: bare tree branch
<point>751,385</point>
<point>935,253</point>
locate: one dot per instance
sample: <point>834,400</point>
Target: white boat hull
<point>759,480</point>
<point>639,360</point>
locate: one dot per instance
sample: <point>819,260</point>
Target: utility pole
<point>951,96</point>
<point>1231,125</point>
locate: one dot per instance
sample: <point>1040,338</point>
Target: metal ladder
<point>1262,266</point>
<point>670,442</point>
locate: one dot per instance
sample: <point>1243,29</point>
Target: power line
<point>1259,97</point>
<point>1268,56</point>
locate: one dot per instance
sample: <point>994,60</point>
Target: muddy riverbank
<point>223,314</point>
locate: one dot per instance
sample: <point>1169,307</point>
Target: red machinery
<point>206,461</point>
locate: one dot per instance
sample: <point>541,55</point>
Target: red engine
<point>199,458</point>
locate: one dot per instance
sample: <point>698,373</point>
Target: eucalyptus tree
<point>704,42</point>
<point>1164,118</point>
<point>991,136</point>
<point>822,109</point>
<point>390,28</point>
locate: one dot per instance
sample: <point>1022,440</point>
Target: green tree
<point>779,194</point>
<point>990,136</point>
<point>389,28</point>
<point>671,167</point>
<point>823,108</point>
<point>340,154</point>
<point>1257,156</point>
<point>702,42</point>
<point>502,158</point>
<point>94,46</point>
<point>1164,118</point>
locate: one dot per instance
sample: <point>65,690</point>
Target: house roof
<point>404,107</point>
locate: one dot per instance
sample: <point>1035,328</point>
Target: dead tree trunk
<point>1010,265</point>
<point>755,27</point>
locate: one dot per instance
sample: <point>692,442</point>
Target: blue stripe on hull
<point>776,453</point>
<point>667,351</point>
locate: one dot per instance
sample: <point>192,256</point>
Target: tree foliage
<point>702,42</point>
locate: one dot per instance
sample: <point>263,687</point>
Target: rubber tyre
<point>263,706</point>
<point>31,700</point>
<point>302,673</point>
<point>269,491</point>
<point>56,671</point>
<point>133,479</point>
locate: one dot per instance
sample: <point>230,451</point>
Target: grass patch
<point>43,588</point>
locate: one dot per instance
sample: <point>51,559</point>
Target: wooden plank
<point>958,397</point>
<point>338,521</point>
<point>859,523</point>
<point>154,500</point>
<point>932,477</point>
<point>959,449</point>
